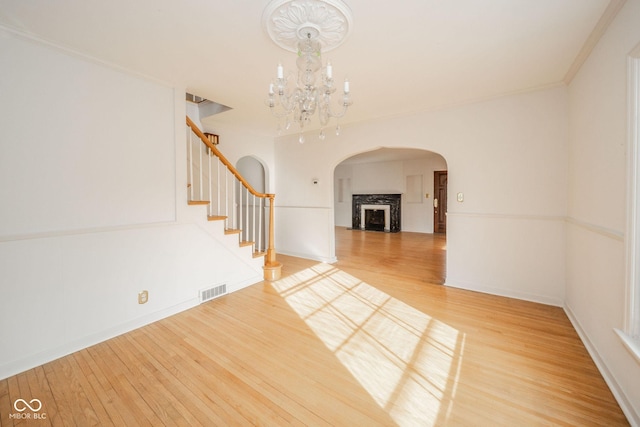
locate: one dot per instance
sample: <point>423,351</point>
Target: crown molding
<point>605,20</point>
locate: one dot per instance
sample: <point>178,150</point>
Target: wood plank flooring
<point>374,339</point>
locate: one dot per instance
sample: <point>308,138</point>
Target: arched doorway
<point>406,171</point>
<point>253,171</point>
<point>412,176</point>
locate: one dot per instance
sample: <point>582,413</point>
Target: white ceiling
<point>401,57</point>
<point>389,154</point>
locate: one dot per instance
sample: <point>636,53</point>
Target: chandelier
<point>305,26</point>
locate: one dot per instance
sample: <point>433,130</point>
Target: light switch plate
<point>460,197</point>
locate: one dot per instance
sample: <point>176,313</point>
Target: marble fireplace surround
<point>360,202</point>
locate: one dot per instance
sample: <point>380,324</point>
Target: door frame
<point>439,203</point>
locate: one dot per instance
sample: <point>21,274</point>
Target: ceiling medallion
<point>327,21</point>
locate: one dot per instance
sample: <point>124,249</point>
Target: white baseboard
<point>245,283</point>
<point>18,366</point>
<point>331,260</point>
<point>30,362</point>
<point>621,398</point>
<point>503,292</point>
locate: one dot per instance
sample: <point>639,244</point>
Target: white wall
<point>508,156</point>
<point>595,295</point>
<point>342,192</point>
<point>93,206</point>
<point>389,177</point>
<point>61,169</point>
<point>236,143</point>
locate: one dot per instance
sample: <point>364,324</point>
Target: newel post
<point>272,268</point>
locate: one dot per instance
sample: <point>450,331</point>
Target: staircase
<point>231,205</point>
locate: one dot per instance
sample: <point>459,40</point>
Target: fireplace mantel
<point>392,200</point>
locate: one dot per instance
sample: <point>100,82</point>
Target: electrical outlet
<point>143,297</point>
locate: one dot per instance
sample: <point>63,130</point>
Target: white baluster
<point>246,214</point>
<point>190,163</point>
<point>234,208</point>
<point>226,196</point>
<point>253,222</point>
<point>260,224</point>
<point>210,180</point>
<point>266,225</point>
<point>201,171</point>
<point>240,211</point>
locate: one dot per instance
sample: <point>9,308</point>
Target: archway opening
<point>408,172</point>
<point>371,181</point>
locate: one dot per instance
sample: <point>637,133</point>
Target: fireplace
<point>375,219</point>
<point>379,212</point>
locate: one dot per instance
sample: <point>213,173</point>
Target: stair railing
<point>214,181</point>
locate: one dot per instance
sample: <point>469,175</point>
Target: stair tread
<point>232,231</point>
<point>259,254</point>
<point>246,243</point>
<point>216,218</point>
<point>199,202</point>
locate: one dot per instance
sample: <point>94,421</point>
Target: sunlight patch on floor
<point>406,360</point>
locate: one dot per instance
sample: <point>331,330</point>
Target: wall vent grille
<point>211,293</point>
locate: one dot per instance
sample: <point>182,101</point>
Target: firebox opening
<point>374,219</point>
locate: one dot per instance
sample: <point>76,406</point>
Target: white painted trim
<point>331,260</point>
<point>597,229</point>
<point>77,54</point>
<point>506,216</point>
<point>614,386</point>
<point>632,345</point>
<point>304,207</point>
<point>245,283</point>
<point>508,293</point>
<point>18,366</point>
<point>81,231</point>
<point>607,17</point>
<point>445,107</point>
<point>632,309</point>
<point>604,231</point>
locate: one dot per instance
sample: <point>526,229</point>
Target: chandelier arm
<point>346,102</point>
<point>340,114</point>
<point>283,102</point>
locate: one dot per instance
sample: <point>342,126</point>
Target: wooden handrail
<point>226,162</point>
<point>272,268</point>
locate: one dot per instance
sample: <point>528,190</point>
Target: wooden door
<point>440,201</point>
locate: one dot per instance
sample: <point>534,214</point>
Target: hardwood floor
<point>374,339</point>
